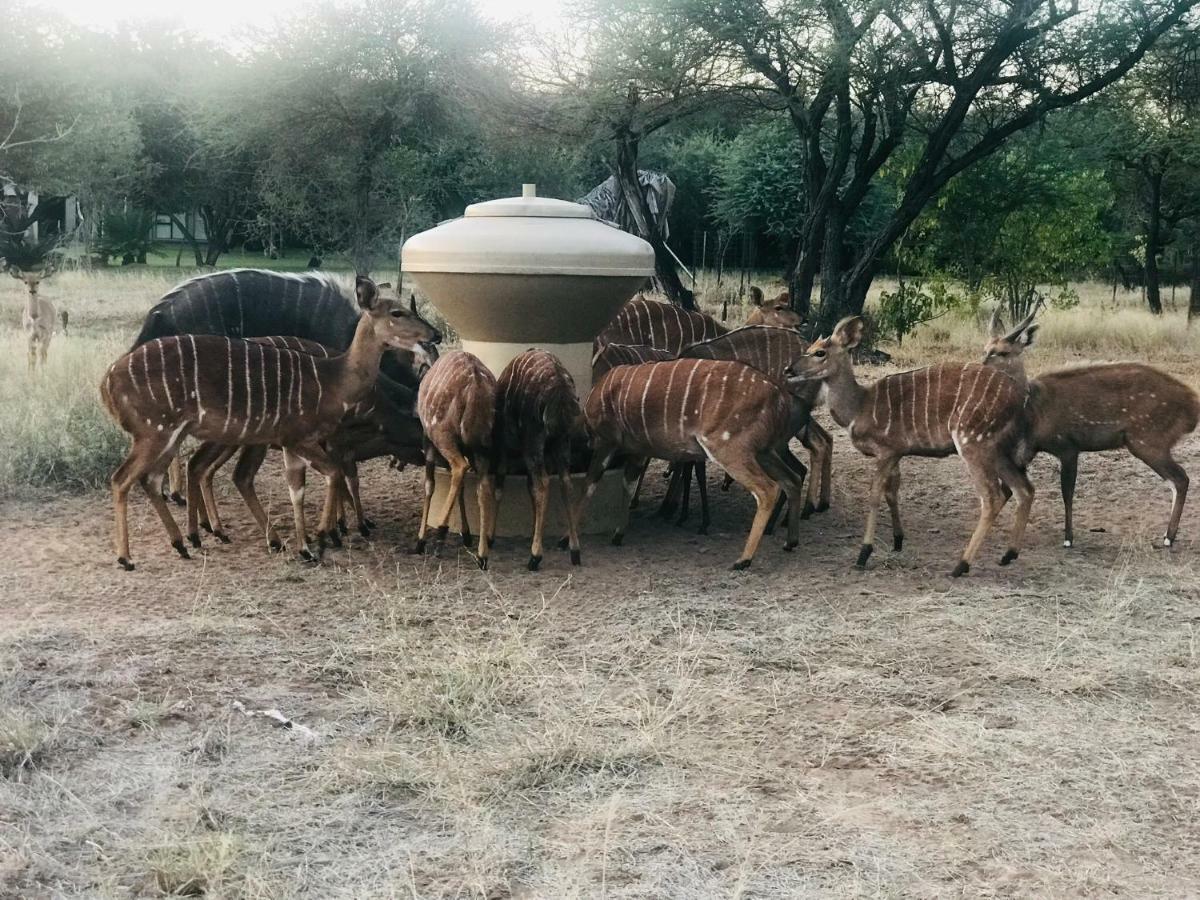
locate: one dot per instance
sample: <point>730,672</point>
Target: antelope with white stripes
<point>691,410</point>
<point>457,407</point>
<point>770,350</point>
<point>777,313</point>
<point>1101,407</point>
<point>537,417</point>
<point>239,392</point>
<point>972,410</point>
<point>664,326</point>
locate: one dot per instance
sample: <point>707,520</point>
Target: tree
<point>351,106</point>
<point>860,79</point>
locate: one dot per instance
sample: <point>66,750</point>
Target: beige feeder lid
<point>528,269</point>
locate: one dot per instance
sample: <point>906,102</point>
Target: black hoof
<point>534,562</point>
<point>307,555</point>
<point>442,532</point>
<point>124,564</point>
<point>863,555</point>
<point>194,539</point>
<point>364,529</point>
<point>420,548</point>
<point>576,559</point>
<point>222,537</point>
<point>335,538</point>
<point>180,549</point>
<point>962,568</point>
<point>898,542</point>
<point>807,511</point>
<point>207,527</point>
<point>275,546</point>
<point>1009,556</point>
<point>177,499</point>
<point>367,523</point>
<point>791,545</point>
<point>342,526</point>
<point>483,563</point>
<point>821,507</point>
<point>564,543</point>
<point>618,539</point>
<point>741,565</point>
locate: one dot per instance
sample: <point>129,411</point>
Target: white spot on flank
<point>160,427</point>
<point>1066,543</point>
<point>725,435</point>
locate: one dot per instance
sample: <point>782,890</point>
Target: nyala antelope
<point>664,326</point>
<point>777,313</point>
<point>39,317</point>
<point>537,416</point>
<point>232,391</point>
<point>456,404</point>
<point>770,350</point>
<point>971,410</point>
<point>1100,407</point>
<point>691,410</point>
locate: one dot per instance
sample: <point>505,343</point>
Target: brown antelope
<point>374,427</point>
<point>1100,407</point>
<point>237,392</point>
<point>777,312</point>
<point>537,416</point>
<point>456,404</point>
<point>967,409</point>
<point>664,326</point>
<point>769,350</point>
<point>39,316</point>
<point>690,410</point>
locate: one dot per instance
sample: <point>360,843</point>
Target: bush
<point>913,303</point>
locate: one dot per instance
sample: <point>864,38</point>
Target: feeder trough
<point>525,272</point>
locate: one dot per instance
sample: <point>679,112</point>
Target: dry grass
<point>648,726</point>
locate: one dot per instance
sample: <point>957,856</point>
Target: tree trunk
<point>1153,242</point>
<point>189,237</point>
<point>635,199</point>
<point>1194,294</point>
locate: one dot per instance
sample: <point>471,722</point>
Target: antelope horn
<point>412,303</point>
<point>1021,326</point>
<point>997,325</point>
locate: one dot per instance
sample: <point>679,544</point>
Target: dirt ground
<point>649,725</point>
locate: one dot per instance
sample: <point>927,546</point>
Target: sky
<point>227,20</point>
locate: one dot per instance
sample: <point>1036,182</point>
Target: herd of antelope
<point>246,360</point>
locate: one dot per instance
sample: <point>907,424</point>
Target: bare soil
<point>649,725</point>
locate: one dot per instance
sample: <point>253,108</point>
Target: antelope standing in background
<point>663,326</point>
<point>770,350</point>
<point>970,409</point>
<point>537,415</point>
<point>1100,407</point>
<point>38,317</point>
<point>238,392</point>
<point>690,410</point>
<point>777,313</point>
<point>457,407</point>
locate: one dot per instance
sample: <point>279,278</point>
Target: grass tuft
<point>206,864</point>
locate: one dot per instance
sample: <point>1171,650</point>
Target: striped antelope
<point>374,427</point>
<point>690,410</point>
<point>456,404</point>
<point>237,392</point>
<point>39,317</point>
<point>1100,407</point>
<point>769,350</point>
<point>538,415</point>
<point>777,312</point>
<point>664,326</point>
<point>245,303</point>
<point>969,409</point>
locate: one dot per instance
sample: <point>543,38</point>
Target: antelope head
<point>827,357</point>
<point>1003,350</point>
<point>394,324</point>
<point>777,313</point>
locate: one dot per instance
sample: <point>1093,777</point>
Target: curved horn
<point>997,325</point>
<point>1021,326</point>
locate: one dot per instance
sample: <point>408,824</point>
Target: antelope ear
<point>367,291</point>
<point>756,295</point>
<point>384,285</point>
<point>784,298</point>
<point>849,332</point>
<point>15,272</point>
